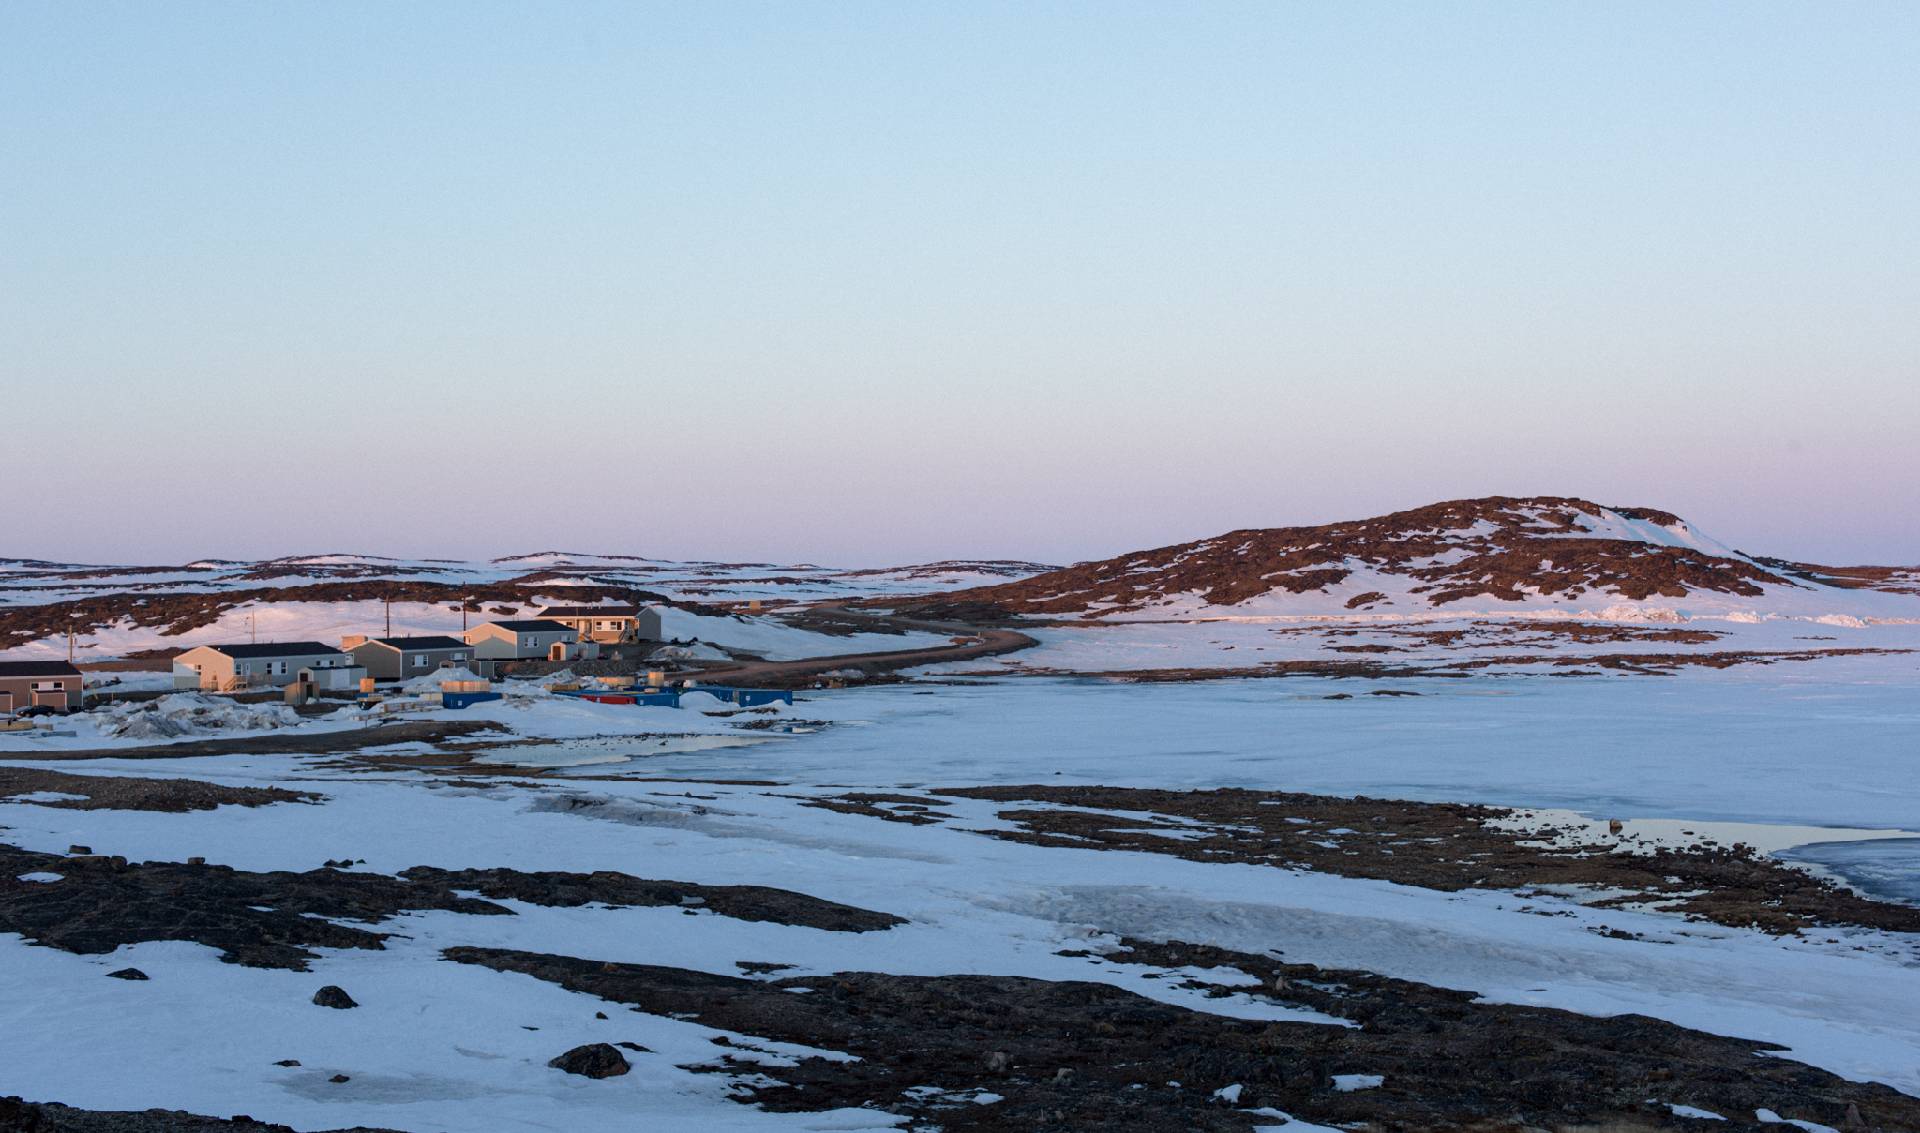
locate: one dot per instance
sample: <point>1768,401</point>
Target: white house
<point>229,668</point>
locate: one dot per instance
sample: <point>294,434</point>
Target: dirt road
<point>803,672</point>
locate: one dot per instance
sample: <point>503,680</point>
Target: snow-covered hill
<point>1493,555</point>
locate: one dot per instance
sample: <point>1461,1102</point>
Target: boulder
<point>594,1060</point>
<point>331,996</point>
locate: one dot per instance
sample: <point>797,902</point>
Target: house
<point>608,624</point>
<point>527,640</point>
<point>401,658</point>
<point>54,684</point>
<point>225,668</point>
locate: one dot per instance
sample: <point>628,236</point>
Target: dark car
<point>33,710</point>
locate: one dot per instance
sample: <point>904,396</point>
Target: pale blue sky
<point>860,283</point>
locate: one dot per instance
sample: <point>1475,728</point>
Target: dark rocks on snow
<point>331,996</point>
<point>79,849</point>
<point>276,919</point>
<point>1446,846</point>
<point>594,1060</point>
<point>127,974</point>
<point>1090,1055</point>
<point>52,1117</point>
<point>120,792</point>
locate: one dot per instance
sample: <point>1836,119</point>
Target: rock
<point>339,1078</point>
<point>288,1062</point>
<point>1062,1076</point>
<point>1615,826</point>
<point>77,849</point>
<point>594,1060</point>
<point>635,1047</point>
<point>196,861</point>
<point>997,1062</point>
<point>127,974</point>
<point>599,1014</point>
<point>331,996</point>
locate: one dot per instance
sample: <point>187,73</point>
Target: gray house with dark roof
<point>534,639</point>
<point>228,668</point>
<point>403,658</point>
<point>51,684</point>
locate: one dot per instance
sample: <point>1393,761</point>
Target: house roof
<point>275,649</point>
<point>590,612</point>
<point>429,642</point>
<point>537,625</point>
<point>37,669</point>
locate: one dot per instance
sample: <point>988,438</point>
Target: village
<point>412,671</point>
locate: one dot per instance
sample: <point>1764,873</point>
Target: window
<point>419,660</point>
<point>457,658</point>
<point>49,686</point>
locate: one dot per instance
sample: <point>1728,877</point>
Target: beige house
<point>608,624</point>
<point>528,640</point>
<point>50,684</point>
<point>403,658</point>
<point>229,668</point>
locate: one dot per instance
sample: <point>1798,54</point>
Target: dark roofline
<point>37,669</point>
<point>431,641</point>
<point>534,625</point>
<point>273,649</point>
<point>590,612</point>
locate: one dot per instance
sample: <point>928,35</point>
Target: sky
<point>872,283</point>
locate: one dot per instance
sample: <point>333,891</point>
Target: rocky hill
<point>1490,552</point>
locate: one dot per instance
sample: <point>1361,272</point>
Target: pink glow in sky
<point>862,285</point>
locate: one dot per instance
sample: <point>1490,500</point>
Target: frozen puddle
<point>588,755</point>
<point>1569,828</point>
<point>1886,868</point>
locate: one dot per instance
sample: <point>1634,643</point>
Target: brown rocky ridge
<point>1499,547</point>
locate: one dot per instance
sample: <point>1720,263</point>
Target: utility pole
<point>69,642</point>
<point>389,615</point>
<point>253,626</point>
<point>465,603</point>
